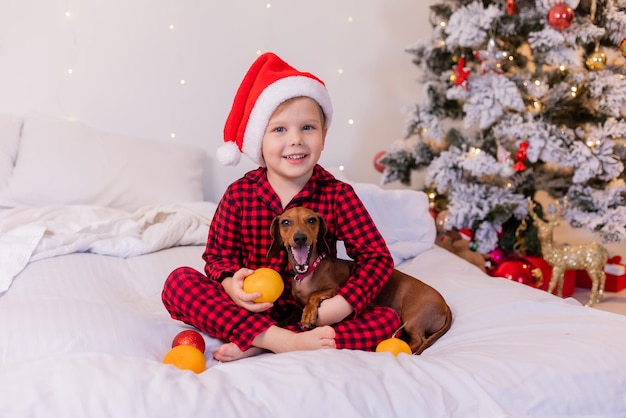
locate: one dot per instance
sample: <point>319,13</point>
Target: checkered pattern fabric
<point>239,236</point>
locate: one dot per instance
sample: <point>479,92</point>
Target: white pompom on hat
<point>269,82</point>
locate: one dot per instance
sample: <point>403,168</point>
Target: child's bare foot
<point>230,352</point>
<point>321,337</point>
<point>280,340</point>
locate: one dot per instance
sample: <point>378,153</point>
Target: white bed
<point>83,331</point>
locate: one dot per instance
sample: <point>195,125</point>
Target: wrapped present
<point>615,273</point>
<point>569,278</point>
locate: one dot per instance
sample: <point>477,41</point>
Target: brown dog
<point>301,232</point>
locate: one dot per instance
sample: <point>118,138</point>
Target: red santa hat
<point>269,82</point>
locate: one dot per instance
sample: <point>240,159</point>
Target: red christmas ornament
<point>189,337</point>
<point>496,255</point>
<point>521,157</point>
<point>518,270</point>
<point>377,165</point>
<point>560,16</point>
<point>511,8</point>
<point>461,74</point>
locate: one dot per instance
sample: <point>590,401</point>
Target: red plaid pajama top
<point>239,236</point>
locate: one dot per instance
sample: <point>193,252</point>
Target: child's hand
<point>234,288</point>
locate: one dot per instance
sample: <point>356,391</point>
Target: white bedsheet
<point>30,234</point>
<point>83,335</point>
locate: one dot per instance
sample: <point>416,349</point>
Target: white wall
<point>128,57</point>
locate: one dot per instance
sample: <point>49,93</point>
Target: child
<point>279,119</point>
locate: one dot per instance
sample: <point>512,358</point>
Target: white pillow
<point>9,141</point>
<point>401,216</point>
<point>68,163</point>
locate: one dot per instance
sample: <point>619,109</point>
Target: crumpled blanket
<point>28,234</point>
<point>33,233</point>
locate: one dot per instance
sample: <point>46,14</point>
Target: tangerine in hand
<point>266,281</point>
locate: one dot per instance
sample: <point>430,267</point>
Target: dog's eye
<point>285,222</point>
<point>311,221</point>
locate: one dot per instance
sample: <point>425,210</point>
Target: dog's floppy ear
<point>322,245</point>
<point>277,241</point>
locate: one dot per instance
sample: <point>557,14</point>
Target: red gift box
<point>614,282</point>
<point>569,278</point>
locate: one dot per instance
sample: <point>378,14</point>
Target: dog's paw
<point>309,316</point>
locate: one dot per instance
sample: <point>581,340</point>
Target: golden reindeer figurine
<point>590,257</point>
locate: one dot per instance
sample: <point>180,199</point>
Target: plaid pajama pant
<point>202,303</point>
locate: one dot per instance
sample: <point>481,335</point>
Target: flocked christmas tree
<point>520,96</point>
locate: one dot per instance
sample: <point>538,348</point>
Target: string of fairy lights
<point>71,71</point>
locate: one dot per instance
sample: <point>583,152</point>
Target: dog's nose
<point>299,238</point>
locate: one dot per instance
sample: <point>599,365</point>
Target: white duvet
<point>30,233</point>
<point>83,332</point>
<point>83,335</point>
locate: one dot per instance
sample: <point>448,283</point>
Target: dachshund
<point>424,312</point>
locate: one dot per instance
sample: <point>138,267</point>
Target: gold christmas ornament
<point>590,257</point>
<point>596,60</point>
<point>622,47</point>
<point>520,246</point>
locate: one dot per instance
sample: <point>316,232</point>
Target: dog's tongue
<point>301,255</point>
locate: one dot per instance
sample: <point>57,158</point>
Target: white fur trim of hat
<point>269,82</point>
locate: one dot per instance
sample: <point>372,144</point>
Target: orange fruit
<point>394,345</point>
<point>186,357</point>
<point>266,281</point>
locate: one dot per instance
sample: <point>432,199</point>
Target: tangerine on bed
<point>186,357</point>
